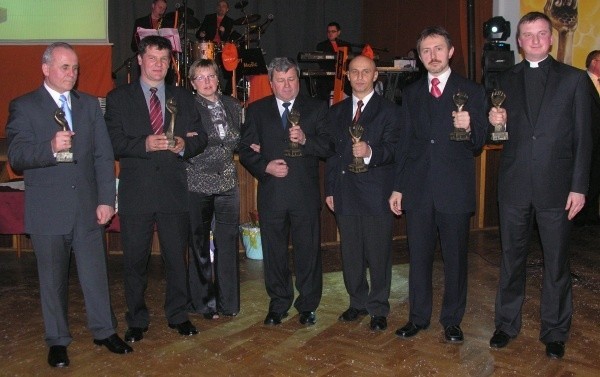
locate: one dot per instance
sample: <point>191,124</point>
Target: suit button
<point>534,138</point>
<point>432,141</point>
<point>343,172</point>
<point>73,187</point>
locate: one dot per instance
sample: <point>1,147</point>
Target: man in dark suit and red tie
<point>289,200</point>
<point>359,199</point>
<point>435,182</point>
<point>67,204</point>
<point>153,182</point>
<point>543,178</point>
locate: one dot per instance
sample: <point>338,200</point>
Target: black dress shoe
<point>135,334</point>
<point>409,330</point>
<point>555,350</point>
<point>378,322</point>
<point>184,328</point>
<point>211,315</point>
<point>308,318</point>
<point>114,344</point>
<point>500,339</point>
<point>57,357</point>
<point>274,318</point>
<point>453,334</point>
<point>352,314</point>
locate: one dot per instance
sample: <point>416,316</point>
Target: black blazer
<point>146,23</point>
<point>364,194</point>
<point>263,126</point>
<point>156,181</point>
<point>430,165</point>
<point>542,162</point>
<point>209,27</point>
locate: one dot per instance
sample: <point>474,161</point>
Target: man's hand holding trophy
<point>62,139</point>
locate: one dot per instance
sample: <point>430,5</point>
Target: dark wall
<point>298,25</point>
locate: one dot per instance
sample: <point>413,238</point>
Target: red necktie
<point>435,91</point>
<point>358,112</point>
<point>156,118</point>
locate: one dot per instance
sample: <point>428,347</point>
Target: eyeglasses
<point>202,78</point>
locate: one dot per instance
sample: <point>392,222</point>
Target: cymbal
<point>240,4</point>
<point>248,19</point>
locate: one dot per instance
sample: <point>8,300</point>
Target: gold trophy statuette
<point>358,165</point>
<point>65,155</point>
<point>459,134</point>
<point>171,108</point>
<point>499,133</point>
<point>293,148</point>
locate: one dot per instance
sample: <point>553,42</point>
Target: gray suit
<point>60,205</point>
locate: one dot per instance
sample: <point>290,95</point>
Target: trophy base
<point>64,156</point>
<point>357,168</point>
<point>499,136</point>
<point>292,153</point>
<point>460,136</point>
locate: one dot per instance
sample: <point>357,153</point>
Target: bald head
<point>362,74</point>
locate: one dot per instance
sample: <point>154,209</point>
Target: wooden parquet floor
<point>243,346</point>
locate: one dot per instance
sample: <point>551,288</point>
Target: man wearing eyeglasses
<point>324,85</point>
<point>289,200</point>
<point>153,182</point>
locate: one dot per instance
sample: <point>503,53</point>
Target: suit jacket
<point>156,181</point>
<point>209,27</point>
<point>542,162</point>
<point>57,194</point>
<point>363,194</point>
<point>146,23</point>
<point>263,126</point>
<point>431,167</point>
<point>595,120</point>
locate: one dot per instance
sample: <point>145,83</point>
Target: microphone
<point>266,24</point>
<point>177,5</point>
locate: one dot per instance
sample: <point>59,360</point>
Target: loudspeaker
<point>492,63</point>
<point>497,61</point>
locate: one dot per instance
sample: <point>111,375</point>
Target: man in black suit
<point>324,85</point>
<point>589,213</point>
<point>435,182</point>
<point>153,182</point>
<point>288,190</point>
<point>543,177</point>
<point>66,204</point>
<point>359,200</point>
<point>216,27</point>
<point>155,20</point>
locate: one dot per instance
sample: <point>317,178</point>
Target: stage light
<point>496,29</point>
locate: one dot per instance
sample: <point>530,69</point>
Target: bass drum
<point>203,50</point>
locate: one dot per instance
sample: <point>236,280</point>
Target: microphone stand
<point>126,64</point>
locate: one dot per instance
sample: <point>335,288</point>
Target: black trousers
<point>366,242</point>
<point>136,236</point>
<point>516,224</point>
<point>423,228</point>
<point>214,286</point>
<point>302,225</point>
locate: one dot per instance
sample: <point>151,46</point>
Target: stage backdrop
<point>583,35</point>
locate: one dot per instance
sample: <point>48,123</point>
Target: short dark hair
<point>333,23</point>
<point>159,42</point>
<point>532,17</point>
<point>591,56</point>
<point>431,31</point>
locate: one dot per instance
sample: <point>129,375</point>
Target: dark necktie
<point>358,112</point>
<point>284,116</point>
<point>435,91</point>
<point>156,118</point>
<point>65,108</point>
